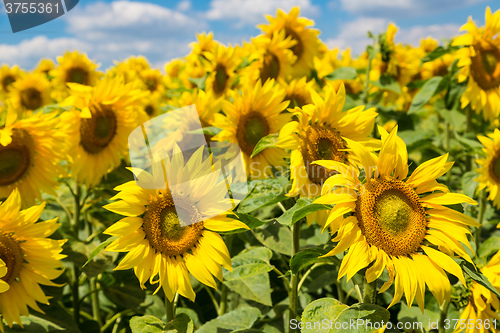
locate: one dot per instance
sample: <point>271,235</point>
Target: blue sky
<point>162,29</point>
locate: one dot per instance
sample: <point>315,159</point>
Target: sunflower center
<point>298,48</point>
<point>220,79</point>
<point>485,66</point>
<point>270,67</point>
<point>321,142</point>
<point>164,230</point>
<point>391,217</point>
<point>251,128</point>
<point>149,110</point>
<point>98,131</point>
<point>151,84</point>
<point>31,98</point>
<point>495,167</point>
<point>14,158</point>
<point>296,100</point>
<point>7,80</point>
<point>10,253</point>
<point>77,75</point>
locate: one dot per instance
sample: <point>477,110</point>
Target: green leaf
<point>99,248</point>
<point>199,81</point>
<point>454,117</point>
<point>428,90</point>
<point>265,142</point>
<point>127,296</point>
<point>301,209</point>
<point>239,319</point>
<point>438,52</point>
<point>308,257</point>
<point>341,317</point>
<point>250,278</point>
<point>263,193</point>
<point>147,324</point>
<point>387,82</point>
<point>468,143</point>
<point>276,237</point>
<point>489,247</point>
<point>342,73</point>
<point>251,221</point>
<point>469,186</point>
<point>477,276</point>
<point>250,262</point>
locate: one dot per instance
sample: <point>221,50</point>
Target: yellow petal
<point>444,261</point>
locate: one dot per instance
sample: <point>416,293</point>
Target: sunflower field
<point>372,195</point>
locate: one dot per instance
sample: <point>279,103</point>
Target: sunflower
<point>298,92</point>
<point>102,118</point>
<point>73,67</point>
<point>166,241</point>
<point>44,67</point>
<point>30,92</point>
<point>274,57</point>
<point>30,152</point>
<point>31,258</point>
<point>482,306</point>
<point>252,115</point>
<point>222,64</point>
<point>152,80</point>
<point>319,134</point>
<point>206,43</point>
<point>306,39</point>
<point>8,76</point>
<point>479,60</point>
<point>394,222</point>
<point>490,166</point>
<point>207,105</point>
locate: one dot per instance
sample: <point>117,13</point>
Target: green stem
<point>76,210</point>
<point>212,297</point>
<point>223,300</point>
<point>306,274</point>
<point>294,283</point>
<point>169,309</point>
<point>115,317</point>
<point>443,316</point>
<point>95,301</point>
<point>370,292</point>
<point>76,294</point>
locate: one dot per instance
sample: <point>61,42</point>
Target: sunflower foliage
<point>373,188</point>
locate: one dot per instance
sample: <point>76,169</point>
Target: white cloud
<point>354,34</point>
<point>402,8</point>
<point>113,31</point>
<point>184,5</point>
<point>250,12</point>
<point>28,52</point>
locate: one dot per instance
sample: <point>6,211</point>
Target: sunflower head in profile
<point>44,67</point>
<point>102,117</point>
<point>252,115</point>
<point>319,134</point>
<point>73,67</point>
<point>298,92</point>
<point>30,92</point>
<point>395,222</point>
<point>30,152</point>
<point>490,166</point>
<point>170,230</point>
<point>31,259</point>
<point>479,303</point>
<point>479,60</point>
<point>8,75</point>
<point>221,66</point>
<point>205,43</point>
<point>274,57</point>
<point>306,39</point>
